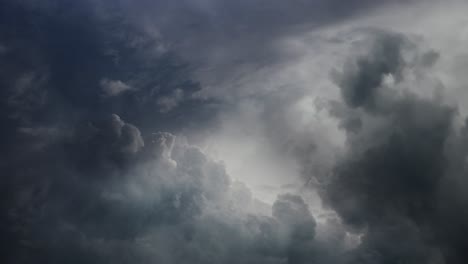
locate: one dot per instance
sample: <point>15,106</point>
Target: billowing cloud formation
<point>361,78</point>
<point>162,201</point>
<point>87,176</point>
<point>393,185</point>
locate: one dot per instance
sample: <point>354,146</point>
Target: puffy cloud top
<point>109,111</point>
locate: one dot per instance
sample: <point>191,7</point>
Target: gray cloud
<point>170,203</point>
<point>99,189</point>
<point>63,148</point>
<point>87,177</point>
<point>59,71</point>
<point>227,40</point>
<point>112,88</point>
<point>391,184</point>
<point>362,77</point>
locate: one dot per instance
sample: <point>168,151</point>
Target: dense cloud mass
<point>160,201</point>
<point>393,183</point>
<point>223,131</point>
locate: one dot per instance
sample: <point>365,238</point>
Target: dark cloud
<point>84,177</point>
<point>64,59</point>
<point>362,77</point>
<point>170,203</point>
<point>220,20</point>
<point>65,155</point>
<point>87,178</point>
<point>227,39</point>
<point>392,184</point>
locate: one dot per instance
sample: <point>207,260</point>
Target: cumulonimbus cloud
<point>87,176</point>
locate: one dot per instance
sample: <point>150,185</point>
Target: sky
<point>219,131</point>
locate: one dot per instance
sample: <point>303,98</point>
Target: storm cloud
<point>161,200</point>
<point>232,132</point>
<point>393,181</point>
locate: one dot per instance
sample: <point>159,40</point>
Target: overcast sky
<point>219,131</point>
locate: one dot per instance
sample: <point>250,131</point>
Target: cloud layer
<point>230,132</point>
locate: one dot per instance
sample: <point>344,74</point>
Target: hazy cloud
<point>113,88</point>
